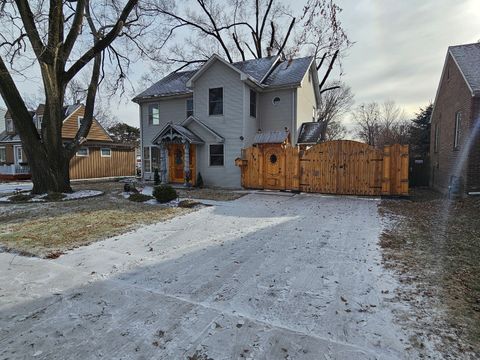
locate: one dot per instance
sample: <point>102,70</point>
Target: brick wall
<point>473,171</point>
<point>453,96</point>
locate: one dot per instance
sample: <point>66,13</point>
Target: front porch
<point>14,172</point>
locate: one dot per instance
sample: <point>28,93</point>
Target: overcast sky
<point>399,49</point>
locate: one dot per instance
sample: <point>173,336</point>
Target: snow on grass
<point>81,194</point>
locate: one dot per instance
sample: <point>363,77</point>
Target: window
<point>253,103</point>
<point>146,159</point>
<point>105,152</point>
<point>3,154</point>
<point>155,154</point>
<point>9,125</point>
<point>435,143</point>
<point>39,121</point>
<point>215,101</point>
<point>216,155</point>
<point>456,136</point>
<point>153,114</point>
<point>314,114</point>
<point>18,154</point>
<point>276,100</point>
<point>82,151</point>
<point>189,107</point>
<point>80,121</point>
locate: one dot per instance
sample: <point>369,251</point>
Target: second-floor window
<point>189,107</point>
<point>253,103</point>
<point>153,114</point>
<point>39,121</point>
<point>215,101</point>
<point>9,125</point>
<point>456,136</point>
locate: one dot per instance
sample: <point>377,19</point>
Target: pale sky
<point>398,54</point>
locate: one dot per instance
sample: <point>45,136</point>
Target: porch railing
<point>14,169</point>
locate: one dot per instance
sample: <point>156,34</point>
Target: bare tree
<point>243,29</point>
<point>334,104</point>
<point>380,125</point>
<point>63,39</point>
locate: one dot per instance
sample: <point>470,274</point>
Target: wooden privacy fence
<point>333,167</point>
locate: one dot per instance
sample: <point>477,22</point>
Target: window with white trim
<point>153,114</point>
<point>105,152</point>
<point>215,101</point>
<point>83,151</point>
<point>189,105</point>
<point>39,122</point>
<point>3,154</point>
<point>79,121</point>
<point>217,155</point>
<point>18,154</point>
<point>146,159</point>
<point>456,136</point>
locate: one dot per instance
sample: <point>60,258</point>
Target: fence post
<point>386,170</point>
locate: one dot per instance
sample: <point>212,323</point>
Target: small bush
<point>164,193</point>
<point>199,181</point>
<point>156,177</point>
<point>54,196</point>
<point>137,197</point>
<point>20,197</point>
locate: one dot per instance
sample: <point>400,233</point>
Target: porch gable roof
<point>174,132</point>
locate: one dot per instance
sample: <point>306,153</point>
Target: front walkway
<point>262,277</point>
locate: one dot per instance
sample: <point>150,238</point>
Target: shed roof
<point>271,137</point>
<point>467,57</point>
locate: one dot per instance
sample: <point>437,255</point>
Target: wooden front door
<point>176,163</point>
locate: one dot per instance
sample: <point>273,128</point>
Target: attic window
<point>276,100</point>
<point>9,125</point>
<point>80,121</point>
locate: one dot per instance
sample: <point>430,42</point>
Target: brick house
<point>455,123</point>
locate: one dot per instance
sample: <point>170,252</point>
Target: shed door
<point>274,165</point>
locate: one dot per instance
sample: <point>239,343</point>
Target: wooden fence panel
<point>333,167</point>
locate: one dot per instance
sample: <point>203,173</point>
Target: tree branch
<point>75,29</point>
<point>28,20</point>
<point>286,37</point>
<point>330,67</point>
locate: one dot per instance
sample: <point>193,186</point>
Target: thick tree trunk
<point>49,176</point>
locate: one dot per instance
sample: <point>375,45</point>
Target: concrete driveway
<point>263,277</point>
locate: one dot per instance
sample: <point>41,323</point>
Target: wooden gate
<point>334,167</point>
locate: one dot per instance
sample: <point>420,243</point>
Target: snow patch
<point>81,194</point>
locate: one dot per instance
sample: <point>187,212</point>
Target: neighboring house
<point>198,121</point>
<point>455,123</point>
<point>98,157</point>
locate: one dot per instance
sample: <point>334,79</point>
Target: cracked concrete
<point>262,277</point>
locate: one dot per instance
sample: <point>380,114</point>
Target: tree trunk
<point>48,176</point>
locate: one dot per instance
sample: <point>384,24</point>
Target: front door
<point>176,163</point>
<point>176,160</point>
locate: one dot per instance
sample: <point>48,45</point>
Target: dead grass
<point>48,229</point>
<point>210,194</point>
<point>434,247</point>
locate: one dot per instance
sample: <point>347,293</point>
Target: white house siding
<point>171,109</point>
<point>306,101</point>
<point>229,125</point>
<point>251,124</point>
<point>277,117</point>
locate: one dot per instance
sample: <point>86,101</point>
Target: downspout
<point>141,143</point>
<point>294,117</point>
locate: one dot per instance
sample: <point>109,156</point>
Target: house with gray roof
<point>198,121</point>
<point>455,123</point>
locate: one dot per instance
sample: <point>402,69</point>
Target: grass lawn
<point>433,245</point>
<point>47,229</point>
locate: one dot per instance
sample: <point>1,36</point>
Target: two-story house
<point>455,123</point>
<point>98,157</point>
<point>198,121</point>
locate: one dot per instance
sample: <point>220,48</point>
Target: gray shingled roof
<point>4,137</point>
<point>286,73</point>
<point>271,137</point>
<point>309,133</point>
<point>468,59</point>
<point>171,131</point>
<point>289,72</point>
<point>174,83</point>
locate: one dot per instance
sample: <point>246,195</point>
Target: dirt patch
<point>44,229</point>
<point>210,194</point>
<point>433,245</point>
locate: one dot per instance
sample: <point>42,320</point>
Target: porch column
<point>186,168</point>
<point>163,163</point>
